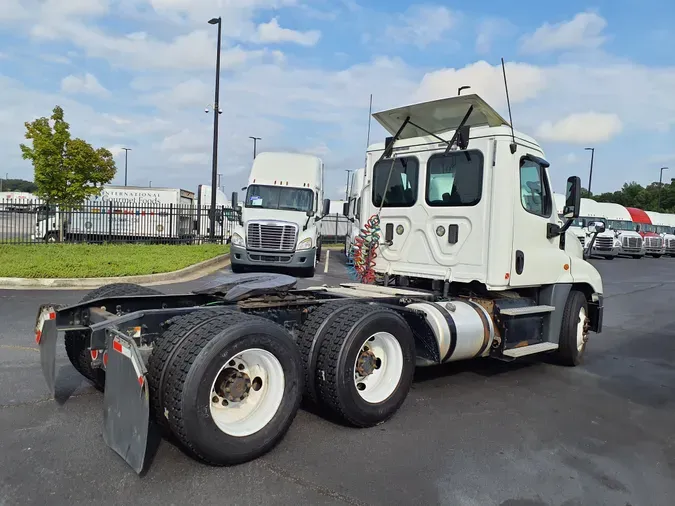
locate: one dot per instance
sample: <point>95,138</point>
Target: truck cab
<point>279,221</point>
<point>663,227</point>
<point>352,209</point>
<point>621,223</point>
<point>467,202</point>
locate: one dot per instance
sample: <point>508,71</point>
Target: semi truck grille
<point>271,237</point>
<point>632,242</point>
<point>654,242</point>
<point>671,243</point>
<point>604,242</point>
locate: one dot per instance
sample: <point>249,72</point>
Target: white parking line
<point>325,266</point>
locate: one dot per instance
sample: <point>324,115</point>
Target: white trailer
<point>471,264</point>
<point>204,206</point>
<point>279,224</point>
<point>122,212</point>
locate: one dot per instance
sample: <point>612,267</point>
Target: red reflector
<point>105,359</point>
<point>141,380</point>
<point>117,346</point>
<point>94,354</point>
<point>38,336</point>
<point>52,316</point>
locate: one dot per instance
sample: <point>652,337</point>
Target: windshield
<point>648,228</point>
<point>278,197</point>
<point>622,225</point>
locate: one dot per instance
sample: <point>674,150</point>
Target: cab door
<point>537,258</point>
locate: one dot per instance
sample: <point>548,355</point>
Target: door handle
<point>520,261</point>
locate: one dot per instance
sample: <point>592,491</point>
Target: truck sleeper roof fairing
<point>639,216</point>
<point>439,116</point>
<point>290,169</point>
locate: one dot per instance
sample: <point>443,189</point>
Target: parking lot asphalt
<point>476,433</point>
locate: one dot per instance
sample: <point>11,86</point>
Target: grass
<point>93,260</point>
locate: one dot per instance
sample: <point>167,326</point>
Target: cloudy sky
<point>299,73</point>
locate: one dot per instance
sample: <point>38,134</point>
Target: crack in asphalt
<point>42,401</point>
<point>311,486</point>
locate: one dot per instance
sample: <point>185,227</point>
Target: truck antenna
<point>370,115</point>
<point>513,146</point>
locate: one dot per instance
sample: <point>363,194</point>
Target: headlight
<point>237,240</point>
<point>305,244</point>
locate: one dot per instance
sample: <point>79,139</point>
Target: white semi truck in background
<point>279,221</point>
<point>619,220</point>
<point>664,225</point>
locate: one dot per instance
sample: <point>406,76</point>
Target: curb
<point>188,273</point>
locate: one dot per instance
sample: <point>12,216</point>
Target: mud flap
<point>45,337</point>
<point>126,401</point>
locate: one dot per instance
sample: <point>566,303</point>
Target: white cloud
<point>55,58</point>
<point>571,158</point>
<point>581,128</point>
<point>584,31</point>
<point>421,25</point>
<point>86,84</point>
<point>525,82</point>
<point>490,29</point>
<point>273,33</point>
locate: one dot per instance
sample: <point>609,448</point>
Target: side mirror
<point>572,198</point>
<point>310,213</point>
<point>326,207</point>
<point>637,228</point>
<point>235,202</point>
<point>345,209</point>
<point>596,226</point>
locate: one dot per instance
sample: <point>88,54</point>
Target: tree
<point>67,171</point>
<point>17,185</point>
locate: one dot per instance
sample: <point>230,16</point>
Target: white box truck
<point>122,212</point>
<point>469,266</point>
<point>279,222</point>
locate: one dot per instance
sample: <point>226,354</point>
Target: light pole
<point>126,161</point>
<point>660,185</point>
<point>150,184</point>
<point>255,144</point>
<point>461,88</point>
<point>216,111</point>
<point>590,175</point>
<point>348,171</point>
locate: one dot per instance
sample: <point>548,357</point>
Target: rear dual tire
<point>78,354</point>
<point>204,359</point>
<point>359,361</point>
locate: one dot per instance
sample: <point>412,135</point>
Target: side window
<point>402,188</point>
<point>358,209</point>
<point>455,179</point>
<point>535,195</point>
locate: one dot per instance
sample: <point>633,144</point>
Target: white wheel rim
<point>247,416</point>
<point>379,384</point>
<point>581,335</point>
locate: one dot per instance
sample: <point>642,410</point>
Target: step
<point>530,350</point>
<point>519,311</point>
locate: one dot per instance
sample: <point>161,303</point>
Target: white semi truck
<point>122,212</point>
<point>279,224</point>
<point>625,230</point>
<point>606,245</point>
<point>471,264</point>
<point>664,225</point>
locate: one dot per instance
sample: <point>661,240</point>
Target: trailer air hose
<point>367,242</point>
<point>365,250</point>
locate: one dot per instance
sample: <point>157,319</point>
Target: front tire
<point>609,257</point>
<point>233,388</point>
<point>238,268</point>
<point>574,329</point>
<point>365,365</point>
